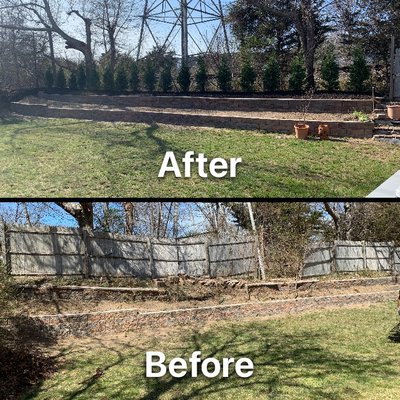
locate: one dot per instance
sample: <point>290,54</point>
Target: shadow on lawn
<point>291,361</point>
<point>394,334</point>
<point>283,362</point>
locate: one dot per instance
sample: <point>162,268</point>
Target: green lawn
<point>72,158</point>
<point>342,354</point>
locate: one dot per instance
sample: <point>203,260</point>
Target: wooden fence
<point>60,251</point>
<point>351,256</point>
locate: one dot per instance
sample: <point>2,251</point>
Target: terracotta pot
<point>323,131</point>
<point>394,112</point>
<point>301,131</point>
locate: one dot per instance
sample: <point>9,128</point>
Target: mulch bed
<point>21,368</point>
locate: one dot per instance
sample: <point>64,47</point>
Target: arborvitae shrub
<point>271,75</point>
<point>121,80</point>
<point>72,81</point>
<point>134,79</point>
<point>166,79</point>
<point>224,75</point>
<point>248,77</point>
<point>330,70</point>
<point>184,78</point>
<point>201,75</point>
<point>81,79</point>
<point>108,79</point>
<point>149,76</point>
<point>61,82</point>
<point>297,74</point>
<point>359,71</point>
<point>49,78</point>
<point>93,79</point>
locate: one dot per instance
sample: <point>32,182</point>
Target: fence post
<point>364,253</point>
<point>86,236</point>
<point>207,252</point>
<point>5,247</point>
<point>151,258</point>
<point>334,261</point>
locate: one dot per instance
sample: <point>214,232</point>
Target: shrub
<point>61,82</point>
<point>121,80</point>
<point>297,74</point>
<point>224,75</point>
<point>248,77</point>
<point>272,75</point>
<point>93,80</point>
<point>72,81</point>
<point>359,71</point>
<point>184,78</point>
<point>108,79</point>
<point>81,79</point>
<point>134,77</point>
<point>166,79</point>
<point>49,78</point>
<point>330,70</point>
<point>201,75</point>
<point>149,76</point>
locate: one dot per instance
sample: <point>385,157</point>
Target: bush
<point>93,81</point>
<point>359,71</point>
<point>330,70</point>
<point>121,80</point>
<point>272,75</point>
<point>134,77</point>
<point>81,79</point>
<point>248,77</point>
<point>72,81</point>
<point>224,75</point>
<point>201,75</point>
<point>108,79</point>
<point>297,74</point>
<point>166,79</point>
<point>149,76</point>
<point>61,82</point>
<point>184,78</point>
<point>49,78</point>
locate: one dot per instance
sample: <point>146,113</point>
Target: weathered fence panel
<point>351,256</point>
<point>60,251</point>
<point>318,261</point>
<point>224,258</point>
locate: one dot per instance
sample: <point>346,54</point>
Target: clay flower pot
<point>323,132</point>
<point>394,112</point>
<point>301,131</point>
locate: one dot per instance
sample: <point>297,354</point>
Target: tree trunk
<point>129,209</point>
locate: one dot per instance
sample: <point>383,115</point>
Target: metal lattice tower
<point>186,17</point>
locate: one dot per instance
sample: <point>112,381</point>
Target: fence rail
<point>61,251</point>
<point>351,256</point>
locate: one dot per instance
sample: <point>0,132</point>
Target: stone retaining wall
<point>50,292</point>
<point>131,319</point>
<point>337,128</point>
<point>220,103</point>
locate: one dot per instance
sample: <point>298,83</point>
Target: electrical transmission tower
<point>164,20</point>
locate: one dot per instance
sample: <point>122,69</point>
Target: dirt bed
<point>295,116</point>
<point>185,297</point>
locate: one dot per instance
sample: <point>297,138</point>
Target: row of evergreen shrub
<point>133,77</point>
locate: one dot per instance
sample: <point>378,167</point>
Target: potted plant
<point>393,111</point>
<point>302,129</point>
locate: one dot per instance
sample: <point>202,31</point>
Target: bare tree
<point>42,17</point>
<point>112,17</point>
<point>82,212</point>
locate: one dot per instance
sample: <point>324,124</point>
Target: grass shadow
<point>394,334</point>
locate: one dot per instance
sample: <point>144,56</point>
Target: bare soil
<point>295,116</point>
<point>185,297</point>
